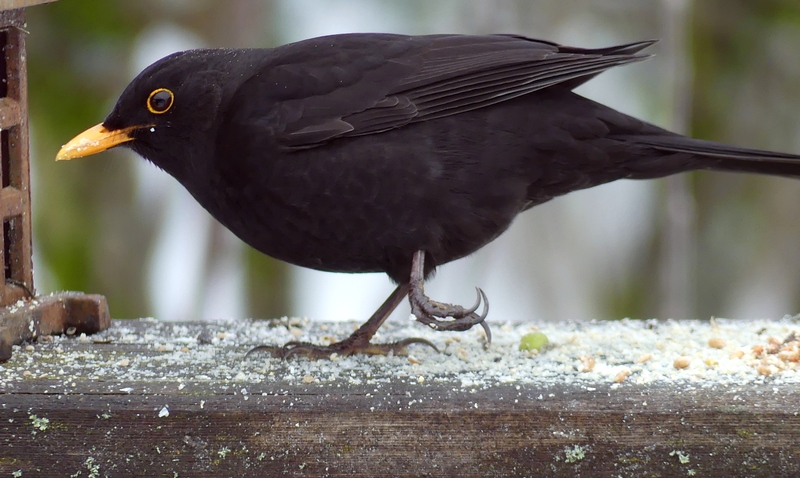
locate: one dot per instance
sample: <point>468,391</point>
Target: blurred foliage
<point>76,57</point>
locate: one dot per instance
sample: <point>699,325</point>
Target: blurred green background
<point>688,247</point>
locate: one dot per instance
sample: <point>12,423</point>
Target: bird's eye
<point>160,101</point>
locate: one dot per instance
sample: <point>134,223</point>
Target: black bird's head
<point>167,114</point>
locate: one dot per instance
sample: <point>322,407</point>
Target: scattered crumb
<point>622,375</point>
<point>588,363</point>
<point>296,332</point>
<point>776,356</point>
<point>590,353</point>
<point>644,358</point>
<point>682,362</point>
<point>297,321</point>
<point>717,343</point>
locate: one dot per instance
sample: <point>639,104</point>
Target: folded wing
<point>365,84</point>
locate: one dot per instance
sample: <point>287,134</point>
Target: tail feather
<point>710,149</point>
<point>722,157</point>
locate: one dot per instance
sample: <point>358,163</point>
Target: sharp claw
<point>463,319</point>
<point>291,349</point>
<point>488,334</point>
<point>485,312</point>
<point>416,340</point>
<point>314,352</point>
<point>283,352</point>
<point>477,302</point>
<point>261,348</point>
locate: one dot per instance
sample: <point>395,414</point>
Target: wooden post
<point>23,315</point>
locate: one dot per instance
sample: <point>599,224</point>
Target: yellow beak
<point>94,140</point>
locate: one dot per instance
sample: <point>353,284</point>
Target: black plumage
<point>392,153</point>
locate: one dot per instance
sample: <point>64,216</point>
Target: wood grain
<point>373,425</point>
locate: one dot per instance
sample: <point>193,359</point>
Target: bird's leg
<point>440,316</point>
<point>358,342</point>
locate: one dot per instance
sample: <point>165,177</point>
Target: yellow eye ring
<point>160,101</point>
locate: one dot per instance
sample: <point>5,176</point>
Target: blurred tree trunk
<point>746,92</point>
<point>679,249</point>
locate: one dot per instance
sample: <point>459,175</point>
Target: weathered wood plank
<point>445,431</point>
<point>158,401</point>
<point>50,314</point>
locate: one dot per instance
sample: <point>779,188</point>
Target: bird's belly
<point>341,213</point>
<point>355,233</point>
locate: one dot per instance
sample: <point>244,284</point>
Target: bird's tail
<point>695,154</point>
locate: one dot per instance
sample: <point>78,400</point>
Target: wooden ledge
<point>51,314</point>
<point>152,399</point>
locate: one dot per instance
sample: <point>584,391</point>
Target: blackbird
<point>392,153</point>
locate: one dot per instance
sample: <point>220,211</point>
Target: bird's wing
<point>351,85</point>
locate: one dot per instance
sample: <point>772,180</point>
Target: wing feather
<point>358,84</point>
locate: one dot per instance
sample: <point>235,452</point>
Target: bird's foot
<point>359,341</point>
<point>349,346</point>
<point>441,316</point>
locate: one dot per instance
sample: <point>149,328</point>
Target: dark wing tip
<point>625,49</point>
